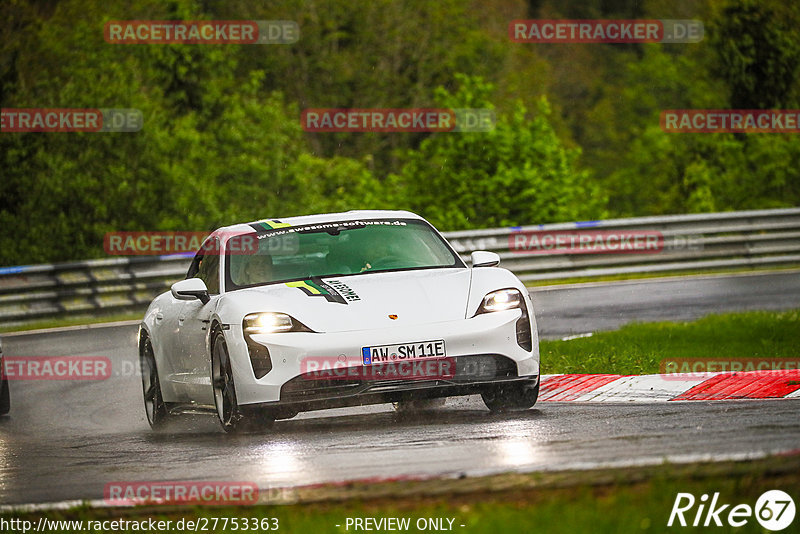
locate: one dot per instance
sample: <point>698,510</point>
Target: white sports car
<point>305,313</point>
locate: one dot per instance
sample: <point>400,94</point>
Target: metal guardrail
<point>85,288</point>
<point>690,243</point>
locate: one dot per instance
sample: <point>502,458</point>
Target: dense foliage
<point>577,133</point>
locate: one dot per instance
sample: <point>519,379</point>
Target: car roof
<point>353,215</point>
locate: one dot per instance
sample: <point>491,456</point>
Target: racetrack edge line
<point>774,464</point>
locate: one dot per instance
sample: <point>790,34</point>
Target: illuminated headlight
<point>509,299</point>
<point>272,323</point>
<point>501,300</point>
<point>266,323</point>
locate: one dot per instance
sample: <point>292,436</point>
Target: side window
<point>207,267</point>
<point>195,266</point>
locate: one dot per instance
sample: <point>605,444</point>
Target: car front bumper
<point>481,350</point>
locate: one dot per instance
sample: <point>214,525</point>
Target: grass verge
<point>638,348</point>
<point>598,501</point>
<point>663,274</point>
<point>72,321</point>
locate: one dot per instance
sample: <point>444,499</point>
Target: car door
<point>193,323</point>
<point>166,345</point>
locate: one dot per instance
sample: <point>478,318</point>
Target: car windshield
<point>339,249</point>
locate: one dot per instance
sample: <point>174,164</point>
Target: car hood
<point>365,301</point>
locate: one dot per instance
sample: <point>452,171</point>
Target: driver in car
<point>257,269</point>
<point>379,253</point>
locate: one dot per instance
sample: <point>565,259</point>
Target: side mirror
<point>190,289</point>
<point>483,258</point>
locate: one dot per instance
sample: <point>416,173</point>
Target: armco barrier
<point>85,288</point>
<point>691,243</point>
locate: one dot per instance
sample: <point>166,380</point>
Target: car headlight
<point>266,323</point>
<point>272,323</point>
<point>500,300</point>
<point>509,299</point>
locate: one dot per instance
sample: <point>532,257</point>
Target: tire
<point>154,407</point>
<point>511,397</point>
<point>5,398</point>
<point>419,405</point>
<point>230,415</point>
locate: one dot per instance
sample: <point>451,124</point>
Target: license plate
<point>404,352</point>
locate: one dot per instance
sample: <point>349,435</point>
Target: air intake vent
<point>259,358</point>
<point>524,337</point>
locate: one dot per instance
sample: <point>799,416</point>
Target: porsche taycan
<point>281,316</point>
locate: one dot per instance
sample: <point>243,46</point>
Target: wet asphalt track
<point>66,440</point>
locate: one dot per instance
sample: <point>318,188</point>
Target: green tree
<point>759,53</point>
<point>517,173</point>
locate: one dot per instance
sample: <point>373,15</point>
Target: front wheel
<point>511,397</point>
<point>154,406</point>
<point>231,416</point>
<point>5,398</point>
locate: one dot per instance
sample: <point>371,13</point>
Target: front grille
<point>468,369</point>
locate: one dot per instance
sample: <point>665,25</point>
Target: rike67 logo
<point>774,510</point>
